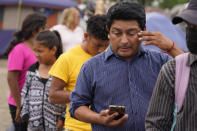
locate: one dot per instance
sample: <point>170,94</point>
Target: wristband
<point>167,51</point>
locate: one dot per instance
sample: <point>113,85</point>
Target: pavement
<point>5,118</point>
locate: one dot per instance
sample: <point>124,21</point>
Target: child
<point>36,107</point>
<point>20,58</point>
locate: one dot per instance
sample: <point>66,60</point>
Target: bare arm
<point>14,86</point>
<point>83,113</point>
<point>161,41</point>
<point>57,94</point>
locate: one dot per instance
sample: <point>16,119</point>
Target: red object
<point>167,51</point>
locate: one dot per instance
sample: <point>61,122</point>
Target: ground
<point>5,118</point>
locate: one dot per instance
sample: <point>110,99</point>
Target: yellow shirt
<point>67,68</point>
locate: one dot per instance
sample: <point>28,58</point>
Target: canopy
<point>159,22</point>
<point>5,37</point>
<point>58,4</point>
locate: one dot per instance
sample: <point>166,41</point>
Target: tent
<point>158,22</point>
<point>6,37</point>
<point>56,4</point>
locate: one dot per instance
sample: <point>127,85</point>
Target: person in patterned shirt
<point>40,113</point>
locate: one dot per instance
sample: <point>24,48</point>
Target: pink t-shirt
<point>20,58</point>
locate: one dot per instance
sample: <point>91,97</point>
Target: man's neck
<point>84,47</point>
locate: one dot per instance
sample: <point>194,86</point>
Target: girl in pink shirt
<point>20,58</point>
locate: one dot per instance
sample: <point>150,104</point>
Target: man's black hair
<point>96,27</point>
<point>127,11</point>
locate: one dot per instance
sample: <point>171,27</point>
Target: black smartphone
<point>119,109</point>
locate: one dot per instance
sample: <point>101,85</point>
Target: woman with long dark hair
<point>20,58</point>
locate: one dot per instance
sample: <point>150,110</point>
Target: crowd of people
<point>65,78</point>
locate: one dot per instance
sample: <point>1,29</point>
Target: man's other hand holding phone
<point>113,118</point>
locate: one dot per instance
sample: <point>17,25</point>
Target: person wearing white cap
<point>161,115</point>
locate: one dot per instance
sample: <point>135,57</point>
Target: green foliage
<point>121,0</point>
<point>171,3</point>
<point>145,2</point>
<point>164,3</point>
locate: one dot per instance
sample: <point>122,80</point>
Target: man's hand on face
<point>155,38</point>
<point>108,120</point>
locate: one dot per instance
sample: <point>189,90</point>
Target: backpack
<point>181,83</point>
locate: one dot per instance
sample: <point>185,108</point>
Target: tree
<point>171,3</point>
<point>162,3</point>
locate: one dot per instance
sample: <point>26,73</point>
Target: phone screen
<point>119,109</point>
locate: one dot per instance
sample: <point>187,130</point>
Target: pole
<point>18,14</point>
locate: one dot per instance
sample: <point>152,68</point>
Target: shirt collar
<point>110,53</point>
<point>191,59</point>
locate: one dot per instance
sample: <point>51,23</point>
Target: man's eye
<point>117,33</point>
<point>132,33</point>
<point>99,45</point>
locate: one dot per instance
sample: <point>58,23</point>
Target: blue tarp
<point>158,22</point>
<point>5,37</point>
<point>42,3</point>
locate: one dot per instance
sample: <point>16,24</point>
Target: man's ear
<point>86,35</point>
<point>54,50</point>
<point>107,28</point>
<point>144,28</point>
